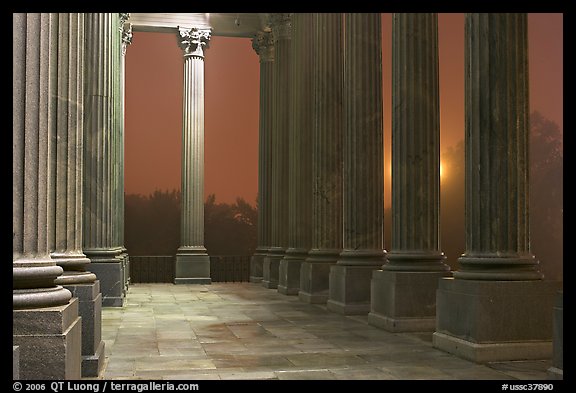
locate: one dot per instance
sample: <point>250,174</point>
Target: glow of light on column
<point>442,171</point>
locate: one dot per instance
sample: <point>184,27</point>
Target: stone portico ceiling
<point>222,24</point>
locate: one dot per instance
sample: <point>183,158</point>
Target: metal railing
<point>160,268</point>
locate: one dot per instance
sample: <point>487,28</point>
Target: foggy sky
<point>154,77</point>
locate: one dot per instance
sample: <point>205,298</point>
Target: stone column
<point>192,260</point>
<point>363,217</point>
<point>100,242</point>
<point>126,40</point>
<point>65,198</point>
<point>45,322</point>
<point>327,135</point>
<point>264,46</point>
<point>404,291</point>
<point>281,32</point>
<point>497,307</point>
<point>300,155</point>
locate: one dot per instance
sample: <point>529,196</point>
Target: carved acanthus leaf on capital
<point>281,24</point>
<point>263,45</point>
<point>126,37</point>
<point>124,16</point>
<point>193,40</point>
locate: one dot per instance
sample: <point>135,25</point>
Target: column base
<point>92,364</point>
<point>256,265</point>
<point>489,321</point>
<point>349,292</point>
<point>192,268</point>
<point>111,277</point>
<point>15,362</point>
<point>315,275</point>
<point>404,301</point>
<point>49,341</point>
<point>90,310</point>
<point>289,272</point>
<point>271,268</point>
<point>557,369</point>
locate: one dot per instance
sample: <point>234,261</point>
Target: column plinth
<point>192,260</point>
<point>363,184</point>
<point>497,273</point>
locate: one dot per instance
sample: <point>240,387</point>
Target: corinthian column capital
<point>281,24</point>
<point>193,40</point>
<point>263,45</point>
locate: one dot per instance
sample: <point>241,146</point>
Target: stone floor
<point>245,331</point>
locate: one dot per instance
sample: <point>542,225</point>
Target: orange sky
<point>154,75</point>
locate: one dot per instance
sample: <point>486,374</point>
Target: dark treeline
<point>152,225</point>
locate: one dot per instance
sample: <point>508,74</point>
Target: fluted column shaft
<point>497,150</point>
<point>34,79</point>
<point>192,226</point>
<point>300,136</point>
<point>126,39</point>
<point>99,134</point>
<point>263,44</point>
<point>363,147</point>
<point>300,154</point>
<point>415,145</point>
<point>192,262</point>
<point>327,134</point>
<point>281,32</point>
<point>102,144</point>
<point>328,130</point>
<point>67,149</point>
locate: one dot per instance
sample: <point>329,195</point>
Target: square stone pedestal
<point>15,362</point>
<point>289,276</point>
<point>315,282</point>
<point>192,269</point>
<point>271,271</point>
<point>90,310</point>
<point>111,277</point>
<point>350,289</point>
<point>49,340</point>
<point>557,369</point>
<point>256,267</point>
<point>404,301</point>
<point>492,321</point>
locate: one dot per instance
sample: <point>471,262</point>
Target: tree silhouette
<point>229,229</point>
<point>152,225</point>
<point>546,195</point>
